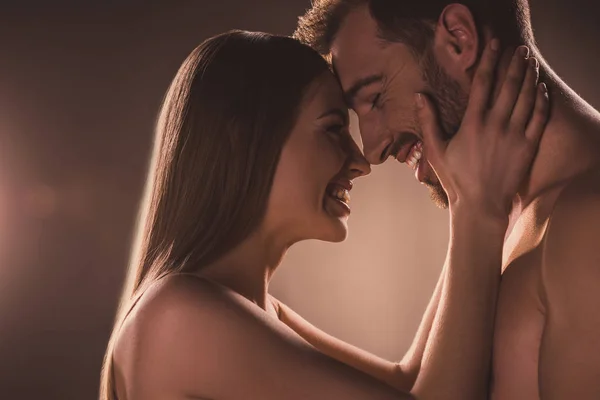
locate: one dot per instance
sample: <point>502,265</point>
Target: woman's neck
<point>248,268</point>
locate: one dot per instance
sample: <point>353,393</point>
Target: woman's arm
<point>458,350</point>
<point>472,275</point>
<point>412,360</point>
<point>400,375</point>
<point>192,339</point>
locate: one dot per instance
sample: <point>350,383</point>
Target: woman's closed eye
<point>336,128</point>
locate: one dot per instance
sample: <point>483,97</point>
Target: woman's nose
<point>359,166</point>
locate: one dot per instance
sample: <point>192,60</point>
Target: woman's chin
<point>336,214</point>
<point>336,230</point>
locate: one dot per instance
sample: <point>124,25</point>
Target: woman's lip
<point>343,183</point>
<point>343,207</point>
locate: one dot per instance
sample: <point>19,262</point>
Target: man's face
<point>380,80</point>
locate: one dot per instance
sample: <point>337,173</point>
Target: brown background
<point>80,85</point>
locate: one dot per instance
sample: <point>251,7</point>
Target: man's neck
<point>570,144</point>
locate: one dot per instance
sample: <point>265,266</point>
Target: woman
<point>252,155</point>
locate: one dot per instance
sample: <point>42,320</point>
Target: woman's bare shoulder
<point>175,320</point>
<point>181,303</point>
<point>191,338</point>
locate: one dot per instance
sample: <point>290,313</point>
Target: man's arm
<point>569,366</point>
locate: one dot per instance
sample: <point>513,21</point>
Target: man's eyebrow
<point>358,85</point>
<point>336,111</point>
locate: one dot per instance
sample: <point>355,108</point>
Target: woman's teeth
<point>340,194</point>
<point>415,155</point>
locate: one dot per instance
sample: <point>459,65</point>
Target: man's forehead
<point>356,47</point>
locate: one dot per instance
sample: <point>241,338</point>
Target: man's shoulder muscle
<point>570,351</point>
<point>573,235</point>
<point>575,208</point>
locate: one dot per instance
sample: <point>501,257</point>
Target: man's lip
<point>404,151</point>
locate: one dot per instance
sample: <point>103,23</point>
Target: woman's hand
<point>483,165</point>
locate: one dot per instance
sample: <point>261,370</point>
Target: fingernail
<point>524,51</point>
<point>543,87</point>
<point>534,63</point>
<point>419,100</point>
<point>495,44</point>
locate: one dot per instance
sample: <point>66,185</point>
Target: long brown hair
<point>219,135</point>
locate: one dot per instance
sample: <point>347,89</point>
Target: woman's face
<point>310,196</point>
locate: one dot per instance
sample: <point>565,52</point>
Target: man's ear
<point>456,39</point>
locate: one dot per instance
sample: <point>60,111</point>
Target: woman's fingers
<point>479,98</point>
<point>538,120</point>
<point>503,108</point>
<point>527,98</point>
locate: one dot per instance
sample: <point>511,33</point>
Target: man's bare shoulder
<point>570,351</point>
<point>578,203</point>
<point>573,235</point>
<point>582,187</point>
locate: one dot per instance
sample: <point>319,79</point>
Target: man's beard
<point>451,102</point>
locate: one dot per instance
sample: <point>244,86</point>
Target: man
<point>384,51</point>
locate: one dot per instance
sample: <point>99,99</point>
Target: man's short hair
<point>412,22</point>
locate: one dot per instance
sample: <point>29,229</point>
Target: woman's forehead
<point>325,91</point>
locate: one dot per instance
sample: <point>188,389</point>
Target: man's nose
<point>374,144</point>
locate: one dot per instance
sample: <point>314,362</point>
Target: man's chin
<point>438,195</point>
<point>436,191</point>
